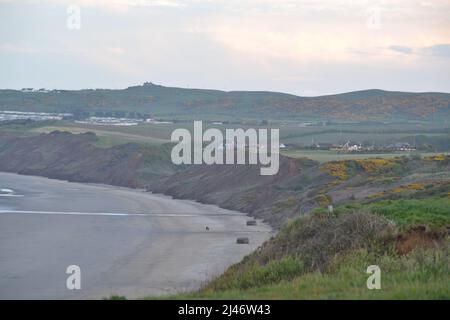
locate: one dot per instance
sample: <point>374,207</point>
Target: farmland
<point>428,137</point>
<point>326,156</point>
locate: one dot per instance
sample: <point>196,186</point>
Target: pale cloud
<point>330,37</point>
<point>105,3</point>
<point>437,50</point>
<point>14,49</point>
<point>287,45</point>
<point>401,49</point>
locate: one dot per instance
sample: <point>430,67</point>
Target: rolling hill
<point>184,104</point>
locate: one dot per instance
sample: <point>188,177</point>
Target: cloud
<point>437,50</point>
<point>287,45</point>
<point>401,49</point>
<point>13,48</point>
<point>107,3</point>
<point>441,50</point>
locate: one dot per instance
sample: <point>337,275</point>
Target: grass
<point>115,297</point>
<point>434,212</point>
<point>106,137</point>
<point>254,275</point>
<point>325,256</point>
<point>24,127</point>
<point>290,133</point>
<point>105,141</point>
<point>422,274</point>
<point>323,156</point>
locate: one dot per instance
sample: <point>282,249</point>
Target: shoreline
<point>143,255</point>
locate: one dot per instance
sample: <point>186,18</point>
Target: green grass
<point>326,257</point>
<point>115,297</point>
<point>106,137</point>
<point>433,212</point>
<point>24,127</point>
<point>422,274</point>
<point>110,141</point>
<point>254,275</point>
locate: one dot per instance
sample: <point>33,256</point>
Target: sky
<point>303,47</point>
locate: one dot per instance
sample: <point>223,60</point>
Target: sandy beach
<point>126,242</point>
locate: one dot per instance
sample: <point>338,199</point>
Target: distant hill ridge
<point>182,103</point>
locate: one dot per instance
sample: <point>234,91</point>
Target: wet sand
<point>126,242</point>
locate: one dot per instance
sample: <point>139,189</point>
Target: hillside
<point>178,103</point>
<point>300,186</point>
<point>390,212</point>
<point>66,156</point>
<point>326,257</point>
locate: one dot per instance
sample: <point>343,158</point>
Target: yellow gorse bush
<point>438,157</point>
<point>374,165</point>
<point>336,169</point>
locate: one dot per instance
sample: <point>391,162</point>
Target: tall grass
<point>421,274</point>
<point>326,257</point>
<point>256,275</point>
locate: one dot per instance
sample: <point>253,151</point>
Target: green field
<point>108,136</point>
<point>431,138</point>
<point>328,155</point>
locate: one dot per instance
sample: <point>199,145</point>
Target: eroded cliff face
<point>75,157</point>
<point>71,157</point>
<point>299,186</point>
<point>241,187</point>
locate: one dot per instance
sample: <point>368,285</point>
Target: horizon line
<point>221,90</point>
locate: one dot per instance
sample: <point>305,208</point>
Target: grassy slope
<point>284,268</point>
<point>84,158</point>
<point>420,275</point>
<point>433,212</point>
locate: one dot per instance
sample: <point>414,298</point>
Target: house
<point>400,146</point>
<point>322,146</point>
<point>351,146</point>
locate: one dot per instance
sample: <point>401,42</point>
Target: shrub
<point>337,169</point>
<point>255,275</point>
<point>432,212</point>
<point>375,165</point>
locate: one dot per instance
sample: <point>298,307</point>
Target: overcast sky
<point>310,47</point>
